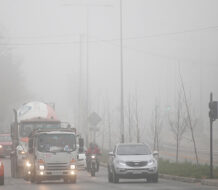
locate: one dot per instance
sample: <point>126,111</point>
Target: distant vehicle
<point>1,173</point>
<point>5,145</point>
<point>52,155</point>
<point>29,117</point>
<point>132,161</point>
<point>81,159</point>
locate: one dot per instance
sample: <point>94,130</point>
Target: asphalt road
<point>86,182</point>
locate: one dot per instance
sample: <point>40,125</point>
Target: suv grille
<point>57,166</point>
<point>137,164</point>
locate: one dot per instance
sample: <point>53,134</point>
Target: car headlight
<point>72,167</point>
<point>1,146</point>
<point>150,162</point>
<point>41,167</point>
<point>93,156</point>
<point>121,162</point>
<point>28,164</point>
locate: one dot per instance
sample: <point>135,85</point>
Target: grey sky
<point>158,34</point>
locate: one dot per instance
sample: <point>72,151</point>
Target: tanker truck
<point>29,117</point>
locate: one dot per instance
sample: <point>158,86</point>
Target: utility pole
<point>211,140</point>
<point>87,74</point>
<point>121,79</point>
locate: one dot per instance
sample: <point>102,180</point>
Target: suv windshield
<point>56,142</point>
<point>27,128</point>
<point>133,150</point>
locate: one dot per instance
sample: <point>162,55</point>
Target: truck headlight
<point>72,167</point>
<point>28,164</point>
<point>41,167</point>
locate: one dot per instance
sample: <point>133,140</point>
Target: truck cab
<point>52,155</point>
<point>29,117</point>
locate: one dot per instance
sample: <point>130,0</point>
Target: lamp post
<point>121,78</point>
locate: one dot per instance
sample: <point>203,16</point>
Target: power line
<point>174,33</point>
<point>118,39</point>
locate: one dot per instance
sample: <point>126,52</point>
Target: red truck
<point>1,173</point>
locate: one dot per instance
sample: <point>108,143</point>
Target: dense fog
<point>67,52</point>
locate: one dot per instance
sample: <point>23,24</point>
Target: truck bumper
<point>56,174</point>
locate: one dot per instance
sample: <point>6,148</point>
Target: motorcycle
<point>92,164</point>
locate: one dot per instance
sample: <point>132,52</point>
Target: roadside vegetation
<point>186,169</point>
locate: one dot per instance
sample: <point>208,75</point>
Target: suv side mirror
<point>111,154</point>
<point>155,153</point>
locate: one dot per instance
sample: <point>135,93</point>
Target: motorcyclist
<point>92,149</point>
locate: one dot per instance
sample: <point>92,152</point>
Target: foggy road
<point>97,183</point>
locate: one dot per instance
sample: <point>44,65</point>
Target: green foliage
<point>185,169</point>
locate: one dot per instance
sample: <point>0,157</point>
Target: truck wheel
<point>2,180</point>
<point>73,180</point>
<point>37,180</point>
<point>20,172</point>
<point>12,167</point>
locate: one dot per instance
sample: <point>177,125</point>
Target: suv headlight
<point>72,166</point>
<point>41,167</point>
<point>121,162</point>
<point>151,162</point>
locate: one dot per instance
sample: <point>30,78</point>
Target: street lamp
<point>121,79</point>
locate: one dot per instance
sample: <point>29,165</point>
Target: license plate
<point>138,172</point>
<point>57,173</point>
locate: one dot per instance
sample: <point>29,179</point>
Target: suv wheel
<point>110,177</point>
<point>153,178</point>
<point>115,178</point>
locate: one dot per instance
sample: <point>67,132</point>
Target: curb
<point>208,182</point>
<point>178,178</point>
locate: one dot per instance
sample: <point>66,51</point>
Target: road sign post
<point>94,120</point>
<point>213,114</point>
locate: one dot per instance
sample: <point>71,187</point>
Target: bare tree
<point>136,116</point>
<point>178,124</point>
<point>189,117</point>
<point>12,86</point>
<point>130,118</point>
<point>156,124</point>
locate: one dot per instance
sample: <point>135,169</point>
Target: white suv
<point>132,161</point>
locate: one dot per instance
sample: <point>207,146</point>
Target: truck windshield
<point>56,143</point>
<point>5,138</point>
<point>133,150</point>
<point>27,128</point>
